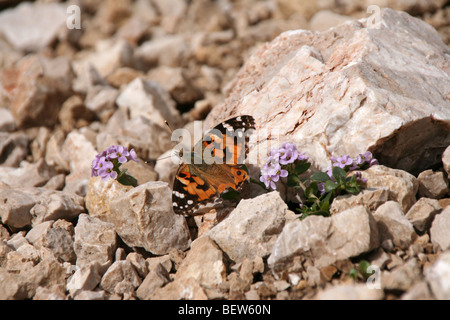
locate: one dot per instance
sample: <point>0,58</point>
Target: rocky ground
<point>67,94</point>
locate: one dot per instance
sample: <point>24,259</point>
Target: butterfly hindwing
<point>189,189</point>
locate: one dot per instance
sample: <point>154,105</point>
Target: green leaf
<point>314,213</point>
<point>353,273</point>
<point>320,177</point>
<point>231,194</point>
<point>330,186</point>
<point>127,180</point>
<point>325,203</point>
<point>352,190</point>
<point>301,167</point>
<point>363,265</point>
<point>339,174</point>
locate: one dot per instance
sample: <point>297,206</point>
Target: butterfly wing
<point>190,190</point>
<point>196,184</point>
<point>229,139</point>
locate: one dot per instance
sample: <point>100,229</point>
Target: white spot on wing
<point>177,194</point>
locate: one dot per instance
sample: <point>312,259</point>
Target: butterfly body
<point>199,180</point>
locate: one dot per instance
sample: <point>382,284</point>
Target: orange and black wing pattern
<point>197,184</point>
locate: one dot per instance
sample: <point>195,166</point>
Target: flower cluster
<point>316,192</point>
<point>361,162</point>
<point>278,161</point>
<point>106,164</point>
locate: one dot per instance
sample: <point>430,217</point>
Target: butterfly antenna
<point>167,124</point>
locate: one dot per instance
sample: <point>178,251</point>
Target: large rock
<point>84,278</point>
<point>401,184</point>
<point>422,213</point>
<point>156,278</point>
<point>23,285</point>
<point>252,228</point>
<point>440,230</point>
<point>170,50</point>
<point>393,225</point>
<point>13,148</point>
<point>95,242</point>
<point>7,123</point>
<point>338,92</point>
<point>99,195</point>
<point>446,161</point>
<point>148,138</point>
<point>371,198</point>
<point>402,277</point>
<point>185,289</point>
<point>438,276</point>
<point>55,236</point>
<point>109,55</point>
<point>30,206</point>
<point>79,152</point>
<point>38,87</point>
<point>204,263</point>
<point>326,240</point>
<point>33,26</point>
<point>143,217</point>
<point>27,175</point>
<point>15,211</point>
<point>432,184</point>
<point>121,277</point>
<point>149,99</point>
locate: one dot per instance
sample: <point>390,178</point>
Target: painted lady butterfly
<point>198,181</point>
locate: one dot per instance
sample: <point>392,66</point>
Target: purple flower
<point>106,171</point>
<point>278,162</point>
<point>269,181</point>
<point>302,157</point>
<point>288,153</point>
<point>120,153</point>
<point>365,160</point>
<point>110,150</point>
<point>321,188</point>
<point>132,155</point>
<point>288,156</point>
<point>270,175</point>
<point>330,172</point>
<point>94,172</point>
<point>359,177</point>
<point>282,173</point>
<point>289,146</point>
<point>106,164</point>
<point>98,164</point>
<point>272,161</point>
<point>275,153</point>
<point>361,162</point>
<point>343,162</point>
